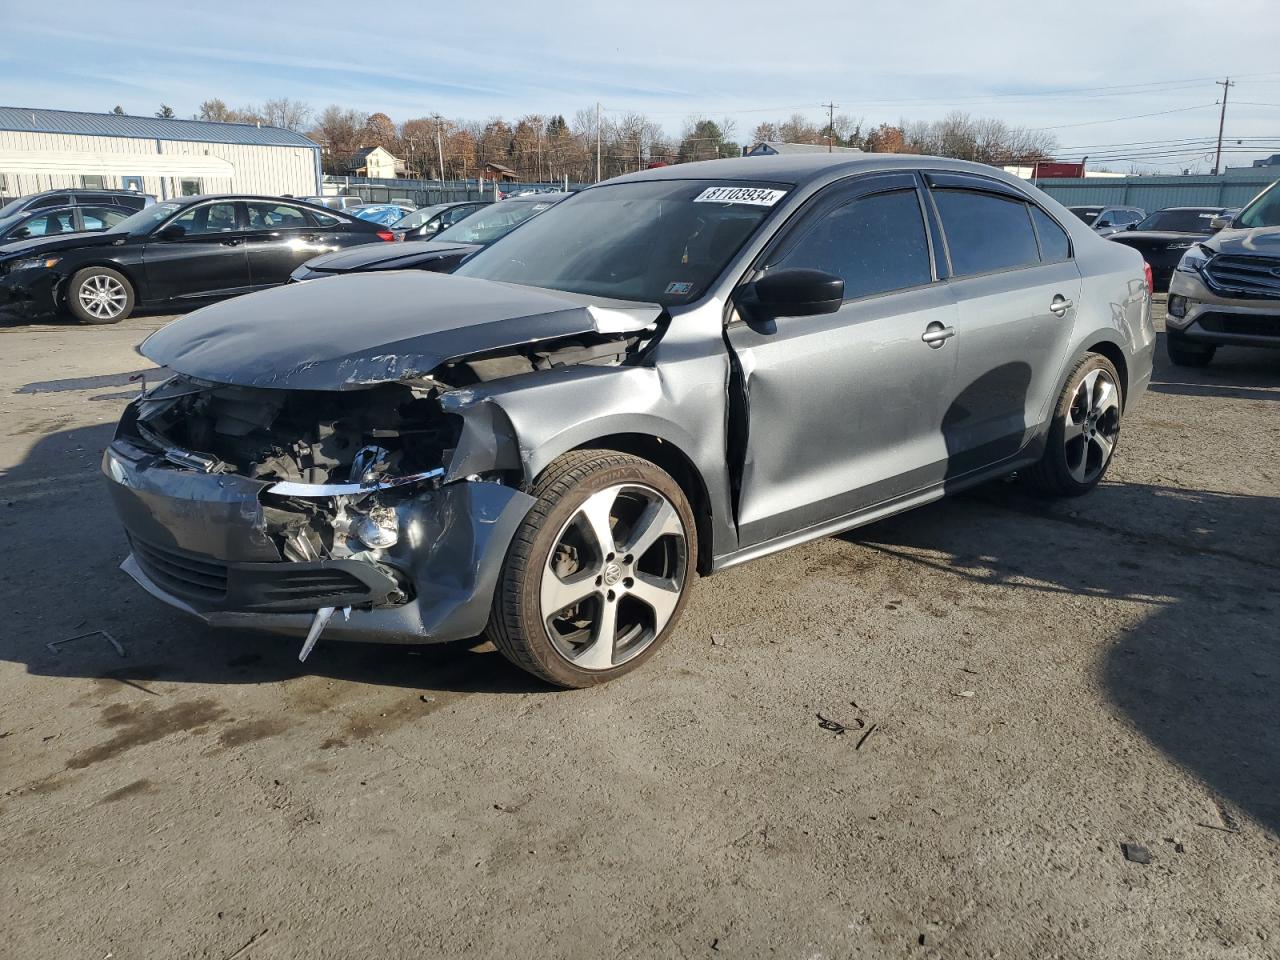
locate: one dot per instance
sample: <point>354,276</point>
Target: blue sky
<point>1074,67</point>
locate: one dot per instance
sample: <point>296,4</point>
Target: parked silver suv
<point>1108,220</point>
<point>1226,289</point>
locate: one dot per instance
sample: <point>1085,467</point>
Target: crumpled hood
<point>385,256</point>
<point>362,329</point>
<point>60,241</point>
<point>1248,242</point>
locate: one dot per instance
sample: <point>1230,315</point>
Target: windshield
<point>144,220</point>
<point>420,216</point>
<point>13,206</point>
<point>1180,221</point>
<point>659,241</point>
<point>494,221</point>
<point>1263,210</point>
<point>1087,214</point>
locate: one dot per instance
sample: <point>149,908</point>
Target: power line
<point>1136,116</point>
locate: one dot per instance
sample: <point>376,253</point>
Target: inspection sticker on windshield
<point>755,196</point>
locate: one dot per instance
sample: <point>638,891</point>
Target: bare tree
<point>286,113</point>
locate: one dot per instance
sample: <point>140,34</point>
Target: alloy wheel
<point>614,577</point>
<point>102,296</point>
<point>1093,426</point>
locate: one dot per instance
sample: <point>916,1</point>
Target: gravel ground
<point>1024,686</point>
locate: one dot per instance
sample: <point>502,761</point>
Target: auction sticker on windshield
<point>755,196</point>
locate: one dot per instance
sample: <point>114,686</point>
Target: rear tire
<point>1084,432</point>
<point>1188,353</point>
<point>99,295</point>
<point>598,574</point>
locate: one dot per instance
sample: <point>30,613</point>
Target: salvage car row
<point>100,261</point>
<point>661,376</point>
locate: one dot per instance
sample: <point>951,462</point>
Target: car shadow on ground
<point>56,502</point>
<point>1197,677</point>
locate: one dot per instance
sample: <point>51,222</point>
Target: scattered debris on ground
<point>1136,853</point>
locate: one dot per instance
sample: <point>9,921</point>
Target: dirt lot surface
<point>1025,687</point>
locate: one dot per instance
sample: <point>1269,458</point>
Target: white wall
<point>31,162</point>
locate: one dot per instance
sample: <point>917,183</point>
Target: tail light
<point>1146,270</point>
<point>388,236</point>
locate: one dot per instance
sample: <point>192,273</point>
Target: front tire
<point>1188,353</point>
<point>99,295</point>
<point>597,575</point>
<point>1084,432</point>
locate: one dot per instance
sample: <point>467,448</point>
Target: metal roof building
<point>47,149</point>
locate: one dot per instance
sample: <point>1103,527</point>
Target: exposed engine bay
<point>338,462</point>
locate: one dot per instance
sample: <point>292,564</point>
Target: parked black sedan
<point>426,222</point>
<point>441,255</point>
<point>1164,236</point>
<point>176,253</point>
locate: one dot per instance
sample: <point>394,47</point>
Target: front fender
<point>526,422</point>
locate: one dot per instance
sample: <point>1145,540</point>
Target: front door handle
<point>233,241</point>
<point>1060,306</point>
<point>935,334</point>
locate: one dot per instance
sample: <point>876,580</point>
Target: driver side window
<point>876,244</point>
<point>211,218</point>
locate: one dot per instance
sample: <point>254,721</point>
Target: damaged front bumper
<point>201,543</point>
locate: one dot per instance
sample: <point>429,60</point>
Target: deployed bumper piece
<point>204,544</point>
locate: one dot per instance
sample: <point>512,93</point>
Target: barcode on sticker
<point>756,196</point>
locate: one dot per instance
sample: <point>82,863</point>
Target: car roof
<point>1200,209</point>
<point>804,168</point>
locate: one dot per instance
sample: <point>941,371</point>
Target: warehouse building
<point>48,149</point>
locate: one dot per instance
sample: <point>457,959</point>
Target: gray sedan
<point>665,375</point>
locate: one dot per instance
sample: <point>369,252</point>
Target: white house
<point>47,149</point>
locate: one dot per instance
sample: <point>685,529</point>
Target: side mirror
<point>1102,224</point>
<point>172,232</point>
<point>1131,226</point>
<point>22,233</point>
<point>1220,223</point>
<point>797,292</point>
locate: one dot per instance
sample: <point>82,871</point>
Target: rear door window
<point>275,216</point>
<point>1055,245</point>
<point>102,218</point>
<point>986,232</point>
<point>876,244</point>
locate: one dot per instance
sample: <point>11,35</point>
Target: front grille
<point>1241,325</point>
<point>1245,276</point>
<point>181,573</point>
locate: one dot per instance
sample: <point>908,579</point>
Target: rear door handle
<point>1060,306</point>
<point>233,242</point>
<point>935,335</point>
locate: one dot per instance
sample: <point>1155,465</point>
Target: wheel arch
<point>670,458</point>
<point>1113,352</point>
<point>127,272</point>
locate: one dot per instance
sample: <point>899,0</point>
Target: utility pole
<point>1226,85</point>
<point>597,141</point>
<point>831,123</point>
<point>439,150</point>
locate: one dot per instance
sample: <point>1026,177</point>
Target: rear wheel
<point>100,295</point>
<point>597,575</point>
<point>1188,353</point>
<point>1084,432</point>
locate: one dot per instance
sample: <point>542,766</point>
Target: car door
<point>280,238</point>
<point>844,411</point>
<point>200,253</point>
<point>1016,284</point>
